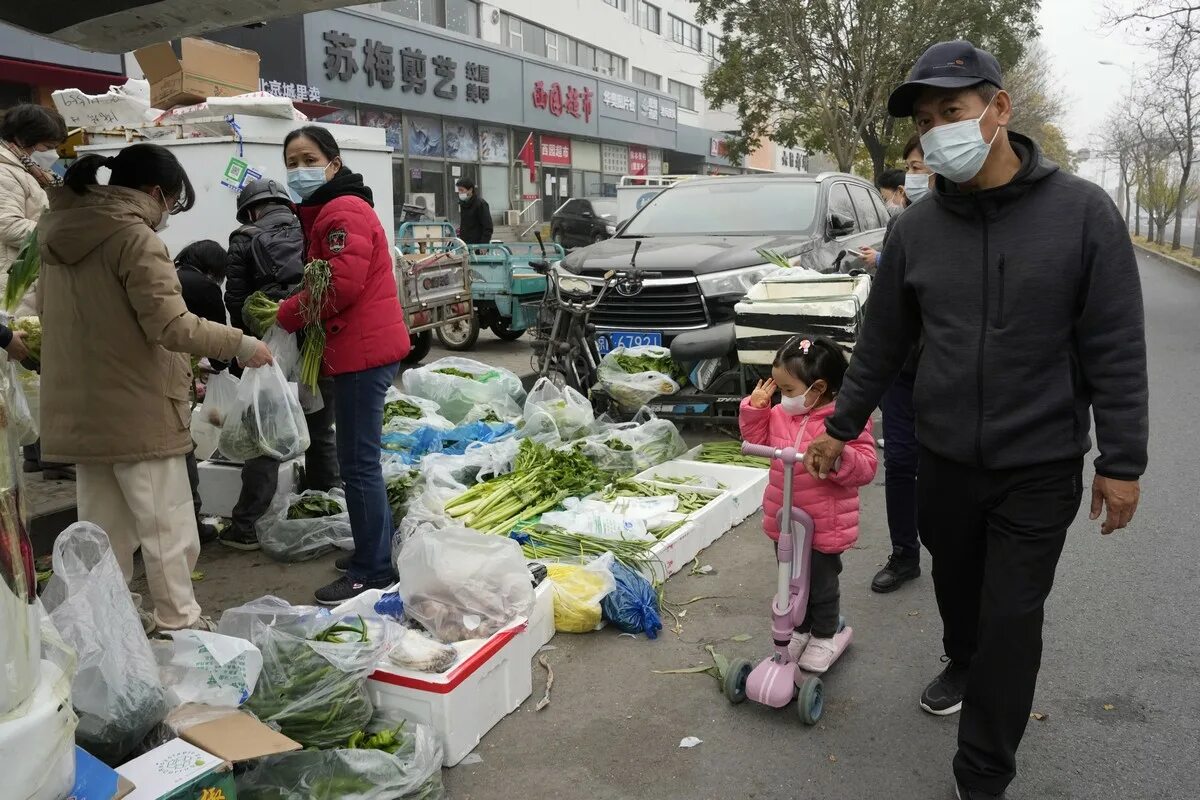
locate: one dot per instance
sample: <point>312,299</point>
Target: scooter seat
<point>713,342</point>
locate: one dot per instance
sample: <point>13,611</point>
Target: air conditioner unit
<point>512,218</point>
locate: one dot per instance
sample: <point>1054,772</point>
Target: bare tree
<point>1119,145</point>
<point>1175,102</point>
<point>1154,15</point>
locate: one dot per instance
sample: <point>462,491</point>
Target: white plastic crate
<point>221,483</point>
<point>488,682</point>
<point>745,485</point>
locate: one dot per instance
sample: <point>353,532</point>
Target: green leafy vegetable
<point>398,486</point>
<point>457,373</point>
<point>772,257</point>
<point>318,277</point>
<point>31,327</point>
<point>23,272</point>
<point>260,312</point>
<point>401,408</point>
<point>313,506</point>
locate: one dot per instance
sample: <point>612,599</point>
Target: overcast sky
<point>1073,33</point>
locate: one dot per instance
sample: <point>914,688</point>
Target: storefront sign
<point>559,100</point>
<point>379,67</point>
<point>616,99</point>
<point>614,159</point>
<point>555,150</point>
<point>292,91</point>
<point>639,160</point>
<point>718,148</point>
<point>649,108</point>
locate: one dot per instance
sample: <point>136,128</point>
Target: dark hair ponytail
<point>813,358</point>
<point>319,136</point>
<point>135,167</point>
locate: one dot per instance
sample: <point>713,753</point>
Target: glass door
<point>427,187</point>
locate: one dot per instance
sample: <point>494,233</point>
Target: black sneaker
<point>963,793</point>
<point>944,695</point>
<point>239,540</point>
<point>343,562</point>
<point>346,588</point>
<point>898,571</point>
<point>208,532</point>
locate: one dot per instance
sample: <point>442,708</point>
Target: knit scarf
<point>45,179</point>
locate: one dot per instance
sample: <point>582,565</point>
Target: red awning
<point>55,77</point>
<point>314,110</point>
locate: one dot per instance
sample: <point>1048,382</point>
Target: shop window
<point>493,144</point>
<point>684,95</point>
<point>389,121</point>
<point>461,142</point>
<point>424,137</point>
<point>586,57</point>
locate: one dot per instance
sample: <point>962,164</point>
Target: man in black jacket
<point>267,254</point>
<point>1020,282</point>
<point>476,220</point>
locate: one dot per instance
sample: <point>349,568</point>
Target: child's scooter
<point>776,680</point>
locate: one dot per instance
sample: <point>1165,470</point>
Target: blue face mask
<point>957,151</point>
<point>916,186</point>
<point>303,181</point>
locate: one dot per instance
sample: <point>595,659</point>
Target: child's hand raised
<point>762,394</point>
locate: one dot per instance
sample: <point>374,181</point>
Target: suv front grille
<point>662,303</point>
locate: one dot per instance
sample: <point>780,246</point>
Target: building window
<point>618,4</point>
<point>684,95</point>
<point>552,46</point>
<point>534,37</point>
<point>586,56</point>
<point>647,79</point>
<point>650,17</point>
<point>714,46</point>
<point>515,38</point>
<point>686,34</point>
<point>462,16</point>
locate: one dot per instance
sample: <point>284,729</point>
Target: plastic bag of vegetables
<point>116,691</point>
<point>444,477</point>
<point>20,416</point>
<point>405,413</point>
<point>633,604</point>
<point>553,415</point>
<point>631,447</point>
<point>208,418</point>
<point>460,584</point>
<point>463,388</point>
<point>266,419</point>
<point>633,376</point>
<point>401,761</point>
<point>300,527</point>
<point>313,679</point>
<point>578,591</point>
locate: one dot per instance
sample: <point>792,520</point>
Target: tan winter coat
<point>115,380</point>
<point>22,201</point>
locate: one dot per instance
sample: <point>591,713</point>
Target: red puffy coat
<point>364,324</point>
<point>832,503</point>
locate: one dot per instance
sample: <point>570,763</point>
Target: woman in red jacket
<point>365,339</point>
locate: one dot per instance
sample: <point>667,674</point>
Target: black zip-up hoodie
<point>1028,307</point>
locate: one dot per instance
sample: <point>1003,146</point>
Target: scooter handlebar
<point>788,455</point>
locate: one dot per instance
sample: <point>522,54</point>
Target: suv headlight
<point>734,282</point>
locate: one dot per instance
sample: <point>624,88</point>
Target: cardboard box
<point>179,770</point>
<point>207,69</point>
<point>234,737</point>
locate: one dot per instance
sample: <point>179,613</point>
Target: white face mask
<point>957,151</point>
<point>463,197</point>
<point>796,405</point>
<point>916,186</point>
<point>165,219</point>
<point>44,158</point>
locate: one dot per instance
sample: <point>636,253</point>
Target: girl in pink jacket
<point>808,374</point>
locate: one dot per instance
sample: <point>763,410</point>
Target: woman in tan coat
<point>115,374</point>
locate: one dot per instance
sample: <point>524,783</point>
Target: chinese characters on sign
<point>617,100</point>
<point>649,108</point>
<point>667,112</point>
<point>639,160</point>
<point>292,91</point>
<point>555,150</point>
<point>576,103</point>
<point>379,67</point>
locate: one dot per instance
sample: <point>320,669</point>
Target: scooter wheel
<point>735,680</point>
<point>811,702</point>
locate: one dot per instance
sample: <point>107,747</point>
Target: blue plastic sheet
<point>412,447</point>
<point>633,605</point>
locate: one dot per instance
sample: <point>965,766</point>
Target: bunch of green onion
<point>317,280</point>
<point>552,543</point>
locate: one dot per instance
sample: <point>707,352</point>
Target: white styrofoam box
<point>694,455</point>
<point>221,483</point>
<point>541,617</point>
<point>37,742</point>
<point>744,484</point>
<point>682,547</point>
<point>490,679</point>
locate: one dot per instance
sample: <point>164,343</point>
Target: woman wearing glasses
<point>116,376</point>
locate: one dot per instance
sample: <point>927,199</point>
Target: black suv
<point>584,220</point>
<point>703,235</point>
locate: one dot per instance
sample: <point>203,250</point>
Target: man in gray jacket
<point>1020,283</point>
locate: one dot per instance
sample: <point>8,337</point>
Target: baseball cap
<point>946,65</point>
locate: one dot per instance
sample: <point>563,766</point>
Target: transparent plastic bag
<point>116,692</point>
<point>301,539</point>
<point>444,477</point>
<point>266,419</point>
<point>208,668</point>
<point>578,591</point>
<point>20,641</point>
<point>633,604</point>
<point>315,691</point>
<point>208,418</point>
<point>268,610</point>
<point>554,416</point>
<point>20,416</point>
<point>398,411</point>
<point>413,772</point>
<point>631,447</point>
<point>460,584</point>
<point>634,389</point>
<point>285,348</point>
<point>492,391</point>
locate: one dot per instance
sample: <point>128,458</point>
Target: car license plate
<point>610,341</point>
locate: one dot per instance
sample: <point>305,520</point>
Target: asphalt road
<point>1118,686</point>
<point>1120,632</point>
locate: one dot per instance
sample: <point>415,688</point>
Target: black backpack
<point>278,254</point>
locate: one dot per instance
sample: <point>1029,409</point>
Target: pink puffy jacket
<point>832,503</point>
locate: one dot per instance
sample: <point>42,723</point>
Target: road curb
<point>1167,258</point>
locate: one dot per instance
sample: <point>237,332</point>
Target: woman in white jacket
<point>29,140</point>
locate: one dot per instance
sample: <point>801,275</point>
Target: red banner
<point>556,150</point>
<point>639,160</point>
<point>525,156</point>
